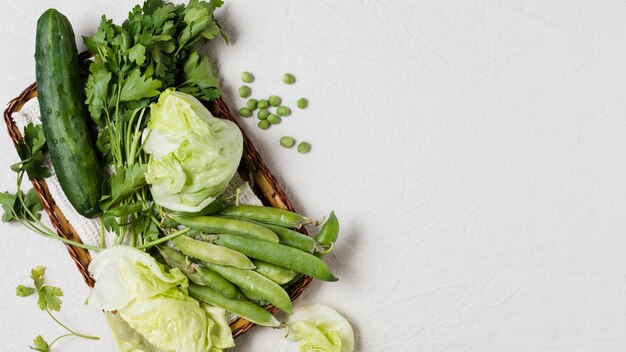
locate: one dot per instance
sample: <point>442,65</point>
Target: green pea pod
<point>293,238</point>
<point>243,308</point>
<point>198,274</point>
<point>328,233</point>
<point>276,273</point>
<point>250,280</point>
<point>253,295</point>
<point>219,283</point>
<point>267,215</point>
<point>278,254</point>
<point>214,224</point>
<point>211,253</point>
<point>176,259</point>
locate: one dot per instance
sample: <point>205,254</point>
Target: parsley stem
<point>58,338</point>
<point>70,330</point>
<point>102,242</point>
<point>163,239</point>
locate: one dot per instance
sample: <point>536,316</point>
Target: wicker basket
<point>251,168</point>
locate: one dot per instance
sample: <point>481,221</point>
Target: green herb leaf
<point>49,297</point>
<point>30,149</point>
<point>37,275</point>
<point>23,291</point>
<point>199,76</point>
<point>123,183</point>
<point>40,345</point>
<point>138,86</point>
<point>8,201</point>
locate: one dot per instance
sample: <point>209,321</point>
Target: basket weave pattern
<point>252,168</point>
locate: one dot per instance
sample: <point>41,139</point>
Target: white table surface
<point>475,153</point>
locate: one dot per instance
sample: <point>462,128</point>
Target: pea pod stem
<point>243,308</point>
<point>268,215</point>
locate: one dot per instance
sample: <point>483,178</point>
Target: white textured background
<point>475,153</point>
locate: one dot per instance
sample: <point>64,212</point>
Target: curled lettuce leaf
<point>154,312</point>
<point>319,328</point>
<point>193,155</point>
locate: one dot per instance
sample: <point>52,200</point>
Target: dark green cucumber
<point>61,96</point>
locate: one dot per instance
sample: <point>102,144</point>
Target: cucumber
<point>60,92</point>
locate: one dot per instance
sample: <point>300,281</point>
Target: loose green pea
<point>244,91</point>
<point>287,141</point>
<point>247,77</point>
<point>252,104</point>
<point>274,100</point>
<point>304,147</point>
<point>263,104</point>
<point>245,112</point>
<point>302,103</point>
<point>283,111</point>
<point>288,78</point>
<point>262,114</point>
<point>263,124</point>
<point>273,119</point>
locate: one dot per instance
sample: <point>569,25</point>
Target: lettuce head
<point>319,328</point>
<point>154,312</point>
<point>193,155</point>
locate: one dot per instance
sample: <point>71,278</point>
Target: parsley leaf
<point>23,291</point>
<point>138,86</point>
<point>40,345</point>
<point>123,183</point>
<point>14,210</point>
<point>30,149</point>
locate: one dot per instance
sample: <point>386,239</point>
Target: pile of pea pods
<point>243,257</point>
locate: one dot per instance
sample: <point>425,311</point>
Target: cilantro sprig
<point>49,299</point>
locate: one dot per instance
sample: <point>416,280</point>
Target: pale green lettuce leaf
<point>320,328</point>
<point>188,145</point>
<point>124,273</point>
<point>154,312</point>
<point>128,340</point>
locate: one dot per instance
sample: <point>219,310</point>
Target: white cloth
<point>89,229</point>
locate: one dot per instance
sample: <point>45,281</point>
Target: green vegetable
<point>295,239</point>
<point>252,104</point>
<point>263,124</point>
<point>302,103</point>
<point>304,147</point>
<point>198,274</point>
<point>278,254</point>
<point>268,215</point>
<point>262,114</point>
<point>245,112</point>
<point>288,78</point>
<point>63,118</point>
<point>30,149</point>
<point>243,308</point>
<point>273,272</point>
<point>283,111</point>
<point>273,119</point>
<point>252,281</point>
<point>154,48</point>
<point>328,233</point>
<point>287,141</point>
<point>214,224</point>
<point>263,104</point>
<point>153,302</point>
<point>318,327</point>
<point>193,155</point>
<point>247,77</point>
<point>244,91</point>
<point>48,301</point>
<point>212,253</point>
<point>274,100</point>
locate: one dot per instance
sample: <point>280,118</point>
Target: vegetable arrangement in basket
<point>134,146</point>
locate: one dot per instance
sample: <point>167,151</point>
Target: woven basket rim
<point>252,168</point>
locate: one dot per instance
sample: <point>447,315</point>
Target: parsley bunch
<point>154,49</point>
